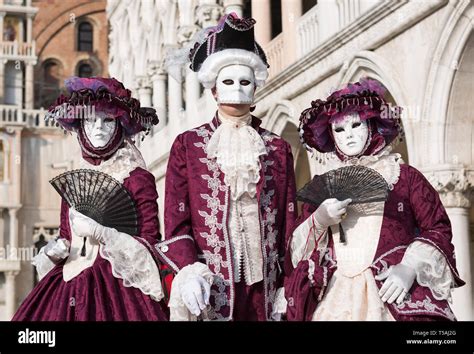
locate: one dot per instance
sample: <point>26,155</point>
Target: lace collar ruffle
<point>121,164</point>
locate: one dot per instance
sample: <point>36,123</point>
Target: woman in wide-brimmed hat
<point>390,260</point>
<point>116,276</point>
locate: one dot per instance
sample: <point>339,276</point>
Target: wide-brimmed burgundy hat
<point>367,98</point>
<point>105,95</point>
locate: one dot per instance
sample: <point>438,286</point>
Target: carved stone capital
<point>143,82</point>
<point>454,184</point>
<point>186,33</point>
<point>208,13</point>
<point>155,68</point>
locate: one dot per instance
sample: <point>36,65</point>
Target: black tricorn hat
<point>231,33</point>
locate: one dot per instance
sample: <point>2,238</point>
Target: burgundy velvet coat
<point>413,212</point>
<point>95,294</point>
<point>196,212</point>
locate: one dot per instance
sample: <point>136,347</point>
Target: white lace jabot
<point>237,147</point>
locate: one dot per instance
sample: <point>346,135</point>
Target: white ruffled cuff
<point>132,262</point>
<point>432,269</point>
<point>178,310</point>
<point>42,263</point>
<point>280,304</point>
<point>304,238</point>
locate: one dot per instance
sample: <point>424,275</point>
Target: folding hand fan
<point>100,197</point>
<point>361,184</point>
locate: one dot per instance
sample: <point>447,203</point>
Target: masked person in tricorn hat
<point>391,259</point>
<point>229,189</point>
<point>93,272</point>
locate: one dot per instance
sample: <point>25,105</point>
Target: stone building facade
<point>422,51</point>
<point>43,42</point>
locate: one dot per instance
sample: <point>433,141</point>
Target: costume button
<point>164,248</point>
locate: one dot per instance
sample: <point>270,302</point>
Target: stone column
<point>29,28</point>
<point>2,79</point>
<point>175,102</point>
<point>261,12</point>
<point>454,183</point>
<point>236,6</point>
<point>144,91</point>
<point>158,79</point>
<point>13,228</point>
<point>10,294</point>
<point>29,86</point>
<point>2,16</point>
<point>292,11</point>
<point>192,96</point>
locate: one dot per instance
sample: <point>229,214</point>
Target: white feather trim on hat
<point>210,68</point>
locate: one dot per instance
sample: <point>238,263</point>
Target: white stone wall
<point>417,49</point>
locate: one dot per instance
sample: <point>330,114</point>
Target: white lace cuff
<point>303,241</point>
<point>132,262</point>
<point>432,269</point>
<point>280,304</point>
<point>178,310</point>
<point>42,263</point>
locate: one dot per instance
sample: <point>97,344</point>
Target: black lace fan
<point>100,197</point>
<point>361,184</point>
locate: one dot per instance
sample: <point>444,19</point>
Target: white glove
<point>84,226</point>
<point>331,211</point>
<point>195,293</point>
<point>57,250</point>
<point>400,278</point>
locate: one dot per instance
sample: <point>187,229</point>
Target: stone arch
<point>445,63</point>
<point>47,33</point>
<point>370,64</point>
<point>282,119</point>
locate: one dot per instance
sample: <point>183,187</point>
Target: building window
<point>49,88</point>
<point>84,37</point>
<point>276,18</point>
<point>84,70</point>
<point>308,5</point>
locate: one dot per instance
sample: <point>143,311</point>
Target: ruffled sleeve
<point>432,220</point>
<point>132,262</point>
<point>432,269</point>
<point>134,258</point>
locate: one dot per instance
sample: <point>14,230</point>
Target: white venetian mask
<point>235,84</point>
<point>350,134</point>
<point>99,129</point>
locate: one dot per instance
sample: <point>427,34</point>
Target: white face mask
<point>99,129</point>
<point>350,134</point>
<point>235,84</point>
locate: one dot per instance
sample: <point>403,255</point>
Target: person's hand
<point>84,226</point>
<point>195,293</point>
<point>331,211</point>
<point>57,250</point>
<point>399,279</point>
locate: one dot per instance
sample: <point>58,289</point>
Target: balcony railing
<point>31,118</point>
<point>275,56</point>
<point>17,50</point>
<point>308,31</point>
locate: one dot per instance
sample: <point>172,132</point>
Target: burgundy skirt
<point>94,295</point>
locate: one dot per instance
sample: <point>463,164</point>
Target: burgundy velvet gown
<point>422,219</point>
<point>95,294</point>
